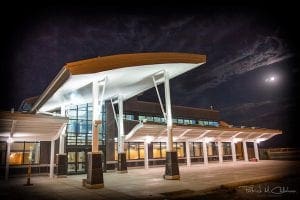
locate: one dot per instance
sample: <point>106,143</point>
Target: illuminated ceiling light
<point>208,139</point>
<point>261,140</point>
<point>149,139</point>
<point>236,140</point>
<point>10,140</point>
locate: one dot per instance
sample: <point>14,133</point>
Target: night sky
<point>245,45</point>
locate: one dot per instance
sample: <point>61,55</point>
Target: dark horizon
<point>245,46</point>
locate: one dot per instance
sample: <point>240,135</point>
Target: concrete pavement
<point>142,183</point>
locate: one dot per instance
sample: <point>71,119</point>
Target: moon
<point>270,79</point>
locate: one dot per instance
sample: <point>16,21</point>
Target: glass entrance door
<point>77,161</point>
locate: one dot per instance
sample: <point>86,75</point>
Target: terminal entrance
<point>77,160</point>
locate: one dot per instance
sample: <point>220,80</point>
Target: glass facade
<point>79,135</point>
<point>183,121</point>
<point>136,150</point>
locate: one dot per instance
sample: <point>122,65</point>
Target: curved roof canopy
<point>126,75</point>
<point>153,132</point>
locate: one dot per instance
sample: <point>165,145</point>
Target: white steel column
<point>245,151</point>
<point>256,150</point>
<point>7,160</point>
<point>146,155</point>
<point>121,126</point>
<point>233,152</point>
<point>204,148</point>
<point>168,114</point>
<point>188,153</point>
<point>96,109</point>
<point>52,158</point>
<point>62,135</point>
<point>220,151</point>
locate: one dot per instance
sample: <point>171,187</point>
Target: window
<point>133,151</point>
<point>72,113</point>
<point>193,121</point>
<point>226,148</point>
<point>156,150</point>
<point>72,126</point>
<point>79,129</point>
<point>201,123</point>
<point>179,147</point>
<point>141,118</point>
<point>130,117</point>
<point>180,121</point>
<point>24,153</point>
<point>82,113</point>
<point>149,118</point>
<point>186,121</point>
<point>157,119</point>
<point>141,151</point>
<point>71,139</point>
<point>82,126</point>
<point>196,149</point>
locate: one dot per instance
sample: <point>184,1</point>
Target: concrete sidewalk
<point>141,183</point>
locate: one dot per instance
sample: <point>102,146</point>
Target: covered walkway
<point>155,132</point>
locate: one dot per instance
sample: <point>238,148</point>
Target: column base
<point>62,165</point>
<point>94,171</point>
<point>89,186</point>
<point>172,168</point>
<point>122,166</point>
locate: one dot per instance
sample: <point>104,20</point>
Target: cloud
<point>265,51</point>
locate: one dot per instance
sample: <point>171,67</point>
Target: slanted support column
<point>245,151</point>
<point>146,155</point>
<point>52,158</point>
<point>256,150</point>
<point>122,166</point>
<point>7,160</point>
<point>205,157</point>
<point>220,151</point>
<point>233,151</point>
<point>94,169</point>
<point>188,153</point>
<point>172,168</point>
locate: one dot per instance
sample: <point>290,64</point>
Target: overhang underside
<point>127,82</point>
<point>27,127</point>
<point>181,133</point>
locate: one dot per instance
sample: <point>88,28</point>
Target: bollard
<point>29,170</point>
<point>28,176</point>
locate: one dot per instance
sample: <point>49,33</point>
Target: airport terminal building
<point>90,117</point>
